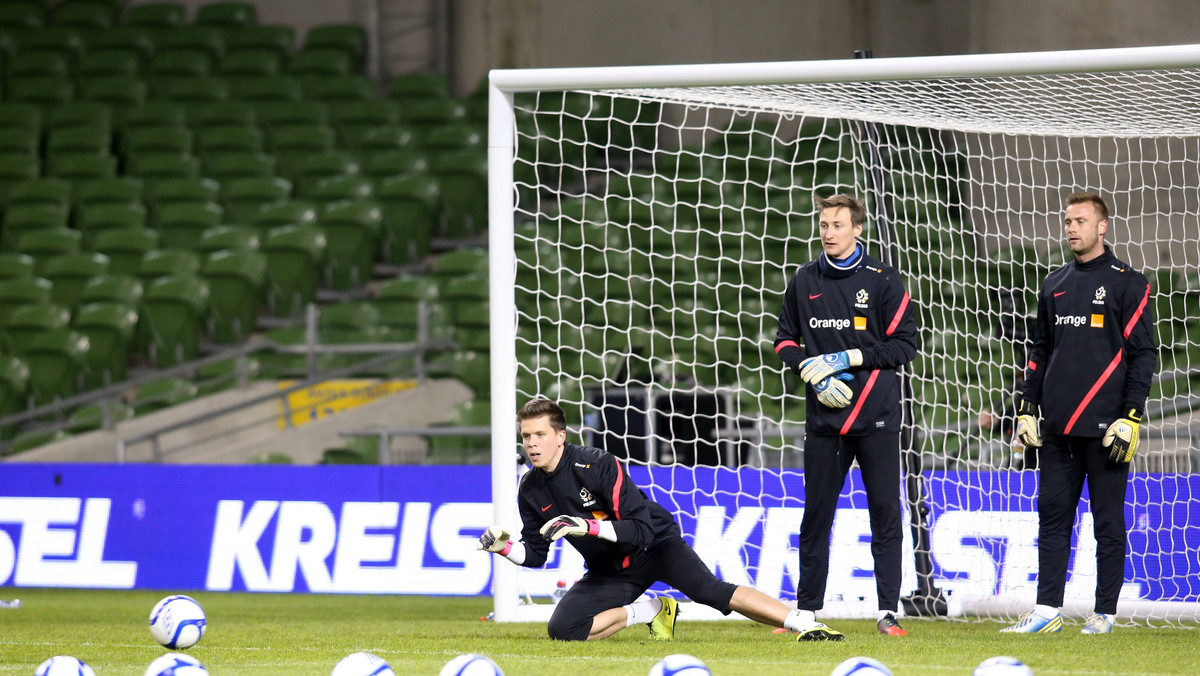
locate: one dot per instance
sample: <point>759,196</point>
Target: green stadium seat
<point>71,272</point>
<point>164,393</point>
<point>47,242</point>
<point>380,165</point>
<point>180,63</point>
<point>390,138</point>
<point>410,206</point>
<point>113,288</point>
<point>244,197</point>
<point>292,143</point>
<point>342,456</point>
<point>163,166</point>
<point>15,265</point>
<point>350,38</point>
<point>207,39</point>
<point>57,362</point>
<point>237,280</point>
<point>110,63</point>
<point>103,415</point>
<point>122,93</point>
<point>41,91</point>
<point>251,63</point>
<point>59,39</point>
<point>453,137</point>
<point>273,114</point>
<point>295,256</point>
<point>81,166</point>
<point>154,114</point>
<point>353,119</point>
<point>425,115</point>
<point>119,190</point>
<point>21,116</point>
<point>50,192</point>
<point>109,327</point>
<point>85,114</point>
<point>80,140</point>
<point>399,302</point>
<point>40,64</point>
<point>191,90</point>
<point>150,140</point>
<point>167,262</point>
<point>293,212</point>
<point>28,321</point>
<point>270,458</point>
<point>228,14</point>
<point>182,224</point>
<point>230,166</point>
<point>275,38</point>
<point>313,167</point>
<point>231,114</point>
<point>420,85</point>
<point>332,89</point>
<point>30,439</point>
<point>224,375</point>
<point>20,219</point>
<point>15,293</point>
<point>175,307</point>
<point>321,63</point>
<point>14,388</point>
<point>157,15</point>
<point>341,188</point>
<point>133,40</point>
<point>184,191</point>
<point>21,16</point>
<point>84,15</point>
<point>238,139</point>
<point>15,168</point>
<point>456,449</point>
<point>228,238</point>
<point>125,248</point>
<point>462,178</point>
<point>459,262</point>
<point>259,90</point>
<point>99,217</point>
<point>352,230</point>
<point>468,297</point>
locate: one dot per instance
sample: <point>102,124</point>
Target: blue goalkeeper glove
<point>815,369</point>
<point>833,392</point>
<point>1122,437</point>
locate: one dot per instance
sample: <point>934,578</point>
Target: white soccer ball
<point>861,666</point>
<point>176,664</point>
<point>1002,665</point>
<point>362,664</point>
<point>679,665</point>
<point>63,665</point>
<point>177,622</point>
<point>471,665</point>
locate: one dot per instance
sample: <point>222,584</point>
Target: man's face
<point>1084,230</point>
<point>838,235</point>
<point>542,442</point>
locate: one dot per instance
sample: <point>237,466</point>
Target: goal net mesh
<point>656,231</point>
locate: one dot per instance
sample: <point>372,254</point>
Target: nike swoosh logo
<point>813,296</point>
<point>1058,293</point>
<point>548,506</point>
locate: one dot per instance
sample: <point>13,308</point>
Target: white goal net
<point>642,238</point>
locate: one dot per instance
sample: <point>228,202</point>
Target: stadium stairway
<point>254,430</point>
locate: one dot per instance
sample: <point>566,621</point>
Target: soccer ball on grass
<point>471,665</point>
<point>362,664</point>
<point>177,622</point>
<point>680,665</point>
<point>861,666</point>
<point>1002,665</point>
<point>63,665</point>
<point>176,664</point>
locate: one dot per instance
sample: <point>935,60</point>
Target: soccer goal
<point>644,223</point>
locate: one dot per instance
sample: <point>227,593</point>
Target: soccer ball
<point>679,665</point>
<point>1002,666</point>
<point>861,666</point>
<point>471,665</point>
<point>62,665</point>
<point>176,664</point>
<point>177,622</point>
<point>362,664</point>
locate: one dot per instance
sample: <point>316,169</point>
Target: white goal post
<point>644,221</point>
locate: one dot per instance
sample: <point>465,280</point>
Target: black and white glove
<point>1122,437</point>
<point>564,525</point>
<point>496,540</point>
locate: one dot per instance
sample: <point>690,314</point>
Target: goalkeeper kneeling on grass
<point>1089,369</point>
<point>628,542</point>
<point>855,322</point>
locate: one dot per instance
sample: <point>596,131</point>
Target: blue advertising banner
<point>413,530</point>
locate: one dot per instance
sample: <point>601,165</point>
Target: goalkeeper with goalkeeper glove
<point>585,497</point>
<point>1089,372</point>
<point>845,327</point>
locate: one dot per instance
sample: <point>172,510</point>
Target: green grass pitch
<point>282,635</point>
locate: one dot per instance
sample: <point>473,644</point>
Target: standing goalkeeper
<point>628,542</point>
<point>1090,368</point>
<point>855,322</point>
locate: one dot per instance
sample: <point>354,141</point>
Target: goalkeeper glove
<point>495,539</point>
<point>815,369</point>
<point>574,526</point>
<point>834,393</point>
<point>1122,437</point>
<point>1027,426</point>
